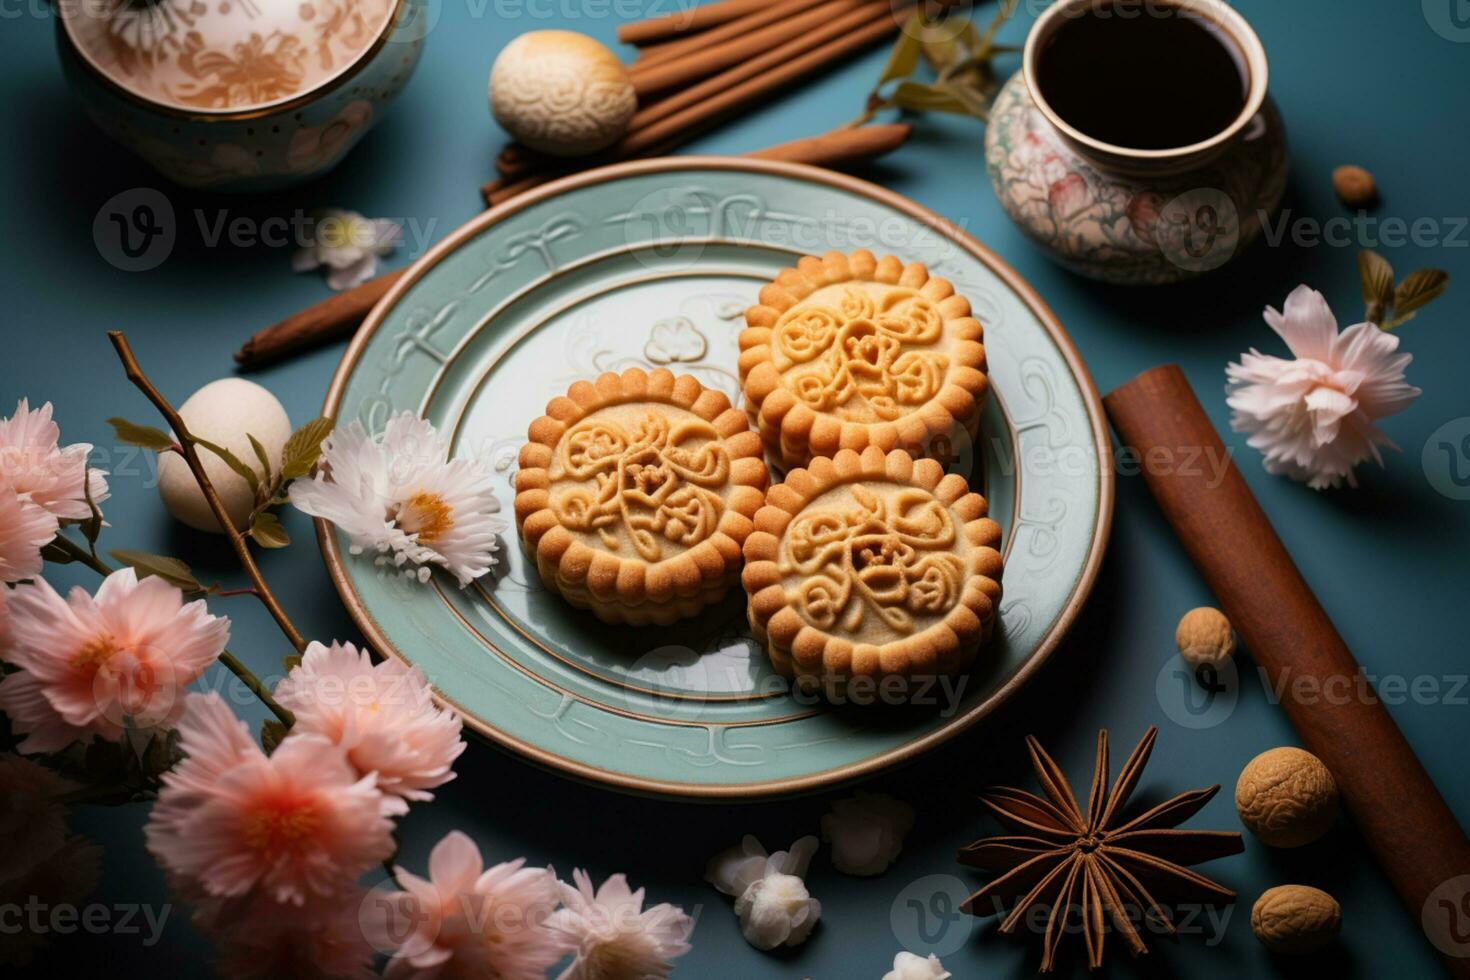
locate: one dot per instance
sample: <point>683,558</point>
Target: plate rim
<point>767,789</point>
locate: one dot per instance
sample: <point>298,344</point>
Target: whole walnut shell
<point>1295,919</point>
<point>1286,797</point>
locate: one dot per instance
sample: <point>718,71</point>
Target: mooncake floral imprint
<point>854,351</point>
<point>635,494</point>
<point>873,566</point>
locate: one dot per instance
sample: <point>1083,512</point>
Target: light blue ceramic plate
<point>652,264</point>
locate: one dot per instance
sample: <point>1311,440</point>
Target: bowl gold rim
<point>768,789</point>
<point>324,87</point>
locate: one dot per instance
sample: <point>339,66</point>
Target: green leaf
<point>904,57</point>
<point>304,448</point>
<point>268,532</point>
<point>1377,277</point>
<point>918,97</point>
<point>232,461</point>
<point>133,434</point>
<point>272,732</point>
<point>171,570</point>
<point>262,455</point>
<point>1419,288</point>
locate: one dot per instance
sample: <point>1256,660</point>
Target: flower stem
<point>191,456</point>
<point>77,553</point>
<point>248,678</point>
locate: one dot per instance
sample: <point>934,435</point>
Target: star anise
<point>1094,864</point>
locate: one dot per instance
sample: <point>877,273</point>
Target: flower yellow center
<point>281,826</point>
<point>427,515</point>
<point>335,232</point>
<point>94,654</point>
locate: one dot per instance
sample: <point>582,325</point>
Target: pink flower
<point>614,937</point>
<point>1312,417</point>
<point>468,922</point>
<point>32,822</point>
<point>296,824</point>
<point>25,528</point>
<point>384,716</point>
<point>272,942</point>
<point>38,469</point>
<point>91,665</point>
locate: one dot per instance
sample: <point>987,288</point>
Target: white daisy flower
<point>401,497</point>
<point>614,936</point>
<point>866,832</point>
<point>348,245</point>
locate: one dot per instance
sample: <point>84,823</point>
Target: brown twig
<point>191,456</point>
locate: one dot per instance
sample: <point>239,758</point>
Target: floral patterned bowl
<point>1137,217</point>
<point>239,95</point>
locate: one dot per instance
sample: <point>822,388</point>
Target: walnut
<point>1204,637</point>
<point>1286,797</point>
<point>1354,186</point>
<point>1295,919</point>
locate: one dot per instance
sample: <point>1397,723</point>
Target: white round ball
<point>226,412</point>
<point>561,93</point>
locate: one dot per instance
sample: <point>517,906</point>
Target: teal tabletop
<point>1377,83</point>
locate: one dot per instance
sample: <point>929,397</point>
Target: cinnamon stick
<point>695,65</point>
<point>1395,805</point>
<point>687,21</point>
<point>339,315</point>
<point>776,10</point>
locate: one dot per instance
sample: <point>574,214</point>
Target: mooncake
<point>635,494</point>
<point>872,568</point>
<point>846,352</point>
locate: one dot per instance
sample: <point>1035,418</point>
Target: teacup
<point>1138,214</point>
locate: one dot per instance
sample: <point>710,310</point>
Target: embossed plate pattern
<point>652,264</point>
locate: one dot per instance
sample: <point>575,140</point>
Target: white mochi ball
<point>226,412</point>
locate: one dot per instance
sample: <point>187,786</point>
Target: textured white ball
<point>561,92</point>
<point>226,412</point>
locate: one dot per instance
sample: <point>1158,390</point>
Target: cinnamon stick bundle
<point>687,21</point>
<point>1397,809</point>
<point>772,12</point>
<point>649,79</point>
<point>339,314</point>
<point>721,97</point>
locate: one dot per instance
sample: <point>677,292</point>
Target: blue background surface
<point>1365,82</point>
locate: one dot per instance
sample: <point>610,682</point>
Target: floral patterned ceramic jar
<point>1137,216</point>
<point>239,95</point>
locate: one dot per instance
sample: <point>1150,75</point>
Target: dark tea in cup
<point>1142,74</point>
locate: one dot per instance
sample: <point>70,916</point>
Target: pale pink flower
<point>384,716</point>
<point>466,922</point>
<point>39,469</point>
<point>32,821</point>
<point>614,937</point>
<point>911,966</point>
<point>274,942</point>
<point>1312,417</point>
<point>25,528</point>
<point>771,897</point>
<point>92,665</point>
<point>348,246</point>
<point>296,824</point>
